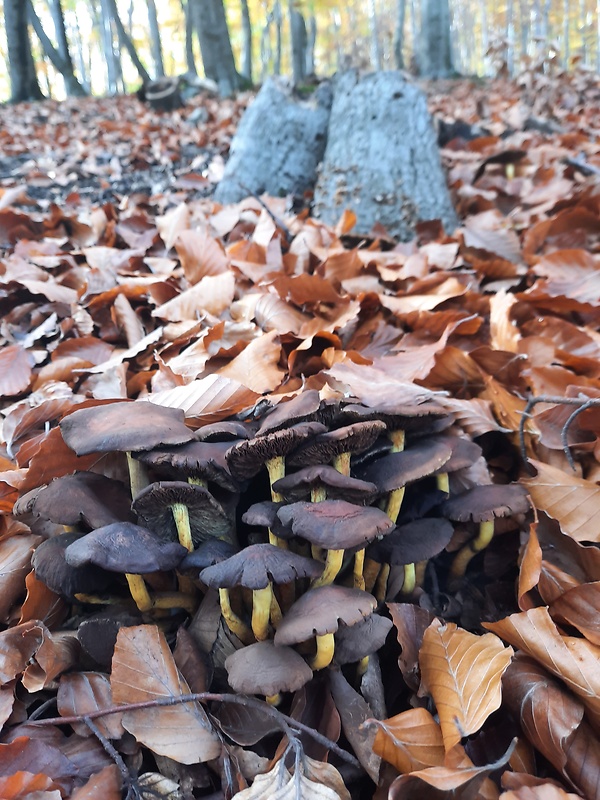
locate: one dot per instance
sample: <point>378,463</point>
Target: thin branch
<point>285,722</point>
<point>133,792</point>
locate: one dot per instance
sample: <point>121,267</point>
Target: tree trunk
<point>566,32</point>
<point>189,37</point>
<point>62,64</point>
<point>399,34</point>
<point>23,79</point>
<point>436,52</point>
<point>278,17</point>
<point>125,40</point>
<point>247,42</point>
<point>374,36</point>
<point>155,42</point>
<point>382,160</point>
<point>299,39</point>
<point>215,45</point>
<point>75,35</point>
<point>278,144</point>
<point>311,40</point>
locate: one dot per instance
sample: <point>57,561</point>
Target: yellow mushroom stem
<point>370,572</point>
<point>363,665</point>
<point>138,475</point>
<point>342,463</point>
<point>420,568</point>
<point>324,654</point>
<point>382,581</point>
<point>276,469</point>
<point>359,560</point>
<point>394,503</point>
<point>69,528</point>
<point>139,591</point>
<point>273,699</point>
<point>333,564</point>
<point>261,612</point>
<point>143,600</point>
<point>318,494</point>
<point>397,438</point>
<point>443,482</point>
<point>276,613</point>
<point>316,552</point>
<point>182,523</point>
<point>459,565</point>
<point>234,623</point>
<point>410,579</point>
<point>197,482</point>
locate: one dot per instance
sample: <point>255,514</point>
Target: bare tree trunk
<point>23,79</point>
<point>566,26</point>
<point>62,64</point>
<point>311,40</point>
<point>155,42</point>
<point>597,35</point>
<point>299,38</point>
<point>524,25</point>
<point>485,43</point>
<point>414,33</point>
<point>215,44</point>
<point>189,37</point>
<point>399,34</point>
<point>510,37</point>
<point>111,56</point>
<point>374,35</point>
<point>583,29</point>
<point>247,42</point>
<point>265,47</point>
<point>75,34</point>
<point>436,51</point>
<point>278,18</point>
<point>125,41</point>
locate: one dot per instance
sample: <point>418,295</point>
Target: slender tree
<point>299,42</point>
<point>125,40</point>
<point>23,79</point>
<point>435,51</point>
<point>189,37</point>
<point>215,44</point>
<point>399,34</point>
<point>247,42</point>
<point>155,41</point>
<point>59,56</point>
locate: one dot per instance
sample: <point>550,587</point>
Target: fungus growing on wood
<point>131,550</point>
<point>257,567</point>
<point>483,504</point>
<point>318,614</point>
<point>336,526</point>
<point>264,669</point>
<point>125,427</point>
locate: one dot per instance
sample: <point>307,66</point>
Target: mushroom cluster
<point>304,520</point>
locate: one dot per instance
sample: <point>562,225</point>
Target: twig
<point>278,222</point>
<point>583,404</point>
<point>285,722</point>
<point>133,791</point>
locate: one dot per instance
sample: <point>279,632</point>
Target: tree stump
<point>382,160</point>
<point>278,145</point>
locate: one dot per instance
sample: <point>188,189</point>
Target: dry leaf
<point>410,741</point>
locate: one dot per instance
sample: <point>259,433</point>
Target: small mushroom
<point>321,482</point>
<point>360,641</point>
<point>464,454</point>
<point>127,548</point>
<point>175,509</point>
<point>318,614</point>
<point>264,669</point>
<point>337,446</point>
<point>51,567</point>
<point>336,526</point>
<point>124,427</point>
<point>98,634</point>
<point>483,504</point>
<point>257,567</point>
<point>198,462</point>
<point>304,407</point>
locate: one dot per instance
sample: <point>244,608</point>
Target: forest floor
<point>122,280</point>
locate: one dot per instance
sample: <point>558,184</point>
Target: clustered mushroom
<point>295,517</point>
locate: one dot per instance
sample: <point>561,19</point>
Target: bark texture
<point>23,81</point>
<point>278,145</point>
<point>435,52</point>
<point>215,44</point>
<point>382,159</point>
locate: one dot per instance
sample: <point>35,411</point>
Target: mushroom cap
<point>207,516</point>
<point>415,541</point>
<point>84,496</point>
<point>304,407</point>
<point>299,484</point>
<point>335,524</point>
<point>125,547</point>
<point>124,426</point>
<point>483,503</point>
<point>398,469</point>
<point>326,446</point>
<point>262,668</point>
<point>247,458</point>
<point>204,460</point>
<point>321,610</point>
<point>224,431</point>
<point>51,567</point>
<point>404,416</point>
<point>263,514</point>
<point>464,453</point>
<point>363,639</point>
<point>210,552</point>
<point>257,566</point>
<point>98,634</point>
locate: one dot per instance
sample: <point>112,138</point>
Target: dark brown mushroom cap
<point>204,460</point>
<point>263,514</point>
<point>325,447</point>
<point>415,541</point>
<point>125,547</point>
<point>405,416</point>
<point>82,497</point>
<point>338,486</point>
<point>335,524</point>
<point>262,668</point>
<point>247,458</point>
<point>257,566</point>
<point>304,407</point>
<point>464,453</point>
<point>361,640</point>
<point>398,469</point>
<point>126,426</point>
<point>98,634</point>
<point>207,516</point>
<point>51,567</point>
<point>321,610</point>
<point>210,552</point>
<point>224,431</point>
<point>483,503</point>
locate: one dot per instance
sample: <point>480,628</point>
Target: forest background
<point>486,37</point>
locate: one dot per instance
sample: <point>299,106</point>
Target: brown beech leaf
<point>442,783</point>
<point>22,785</point>
<point>547,791</point>
<point>579,607</point>
<point>200,255</point>
<point>411,622</point>
<point>462,672</point>
<point>57,653</point>
<point>213,294</point>
<point>573,501</point>
<point>41,603</point>
<point>143,669</point>
<point>553,721</point>
<point>15,564</point>
<point>171,224</point>
<point>410,741</point>
<point>104,785</point>
<point>17,647</point>
<point>530,568</point>
<point>273,314</point>
<point>38,757</point>
<point>278,784</point>
<point>504,334</point>
<point>52,458</point>
<point>256,366</point>
<point>209,399</point>
<point>474,416</point>
<point>575,661</point>
<point>82,693</point>
<point>15,370</point>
